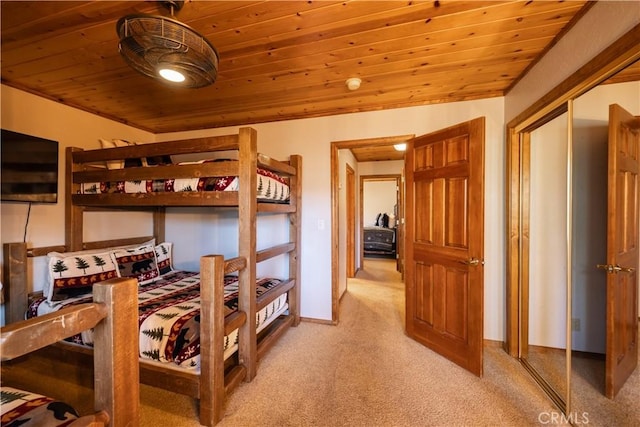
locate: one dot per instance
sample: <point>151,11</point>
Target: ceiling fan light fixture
<point>151,44</point>
<point>400,147</point>
<point>171,75</point>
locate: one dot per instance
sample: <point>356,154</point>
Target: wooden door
<point>351,218</point>
<point>444,242</point>
<point>622,249</point>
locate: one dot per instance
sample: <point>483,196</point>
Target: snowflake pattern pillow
<point>73,275</point>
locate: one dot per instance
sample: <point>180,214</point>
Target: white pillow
<point>48,287</point>
<point>73,274</point>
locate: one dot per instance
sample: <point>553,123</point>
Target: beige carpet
<point>366,372</point>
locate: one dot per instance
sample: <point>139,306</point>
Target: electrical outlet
<point>575,324</point>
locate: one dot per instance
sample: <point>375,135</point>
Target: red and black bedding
<point>270,186</point>
<point>169,316</point>
<point>169,299</point>
<point>23,408</point>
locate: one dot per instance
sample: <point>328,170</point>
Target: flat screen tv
<point>28,168</point>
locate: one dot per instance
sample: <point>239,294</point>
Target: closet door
<point>622,248</point>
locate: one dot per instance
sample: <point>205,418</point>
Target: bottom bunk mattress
<point>169,316</point>
<point>23,408</point>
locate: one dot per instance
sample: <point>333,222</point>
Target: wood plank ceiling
<point>281,60</point>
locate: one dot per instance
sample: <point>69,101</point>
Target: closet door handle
<point>615,268</point>
<point>625,269</point>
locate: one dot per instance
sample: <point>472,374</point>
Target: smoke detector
<point>353,83</point>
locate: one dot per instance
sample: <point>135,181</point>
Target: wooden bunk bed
<point>217,376</point>
<point>116,391</point>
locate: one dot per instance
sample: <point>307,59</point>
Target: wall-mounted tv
<point>28,168</point>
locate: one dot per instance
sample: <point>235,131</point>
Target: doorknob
<point>615,268</point>
<point>472,262</point>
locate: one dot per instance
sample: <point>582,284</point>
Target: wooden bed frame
<point>116,388</point>
<point>208,386</point>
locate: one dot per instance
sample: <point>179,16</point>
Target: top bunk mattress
<point>270,186</point>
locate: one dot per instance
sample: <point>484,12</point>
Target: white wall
<point>388,167</point>
<point>32,115</point>
<point>379,197</point>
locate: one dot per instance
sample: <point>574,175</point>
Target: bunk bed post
<point>295,233</point>
<point>248,208</point>
<point>15,271</point>
<point>73,214</point>
<point>116,371</point>
<point>212,386</point>
<point>159,224</point>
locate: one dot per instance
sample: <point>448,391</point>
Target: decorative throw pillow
<point>164,258</point>
<point>130,163</point>
<point>384,221</point>
<point>143,161</point>
<point>71,275</point>
<point>126,163</point>
<point>137,262</point>
<point>111,164</point>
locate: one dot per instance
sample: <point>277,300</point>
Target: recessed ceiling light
<point>400,147</point>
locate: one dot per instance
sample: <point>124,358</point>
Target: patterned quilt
<point>22,408</point>
<point>169,316</point>
<point>270,186</point>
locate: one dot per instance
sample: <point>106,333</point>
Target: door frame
<point>388,177</point>
<point>350,183</point>
<point>335,199</point>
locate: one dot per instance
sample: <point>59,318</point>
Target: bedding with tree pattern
<point>169,316</point>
